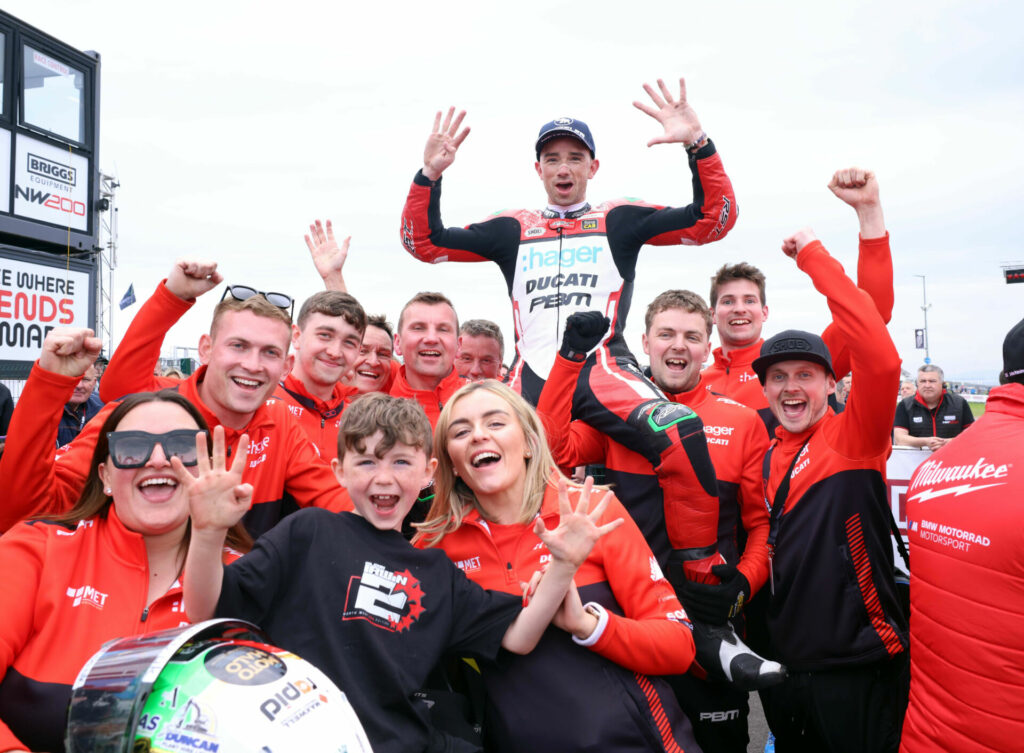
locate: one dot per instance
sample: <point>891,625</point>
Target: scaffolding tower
<point>107,250</point>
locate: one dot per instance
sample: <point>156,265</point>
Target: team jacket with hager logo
<point>965,522</point>
<point>283,464</point>
<point>320,420</point>
<point>833,599</point>
<point>65,592</point>
<point>563,696</point>
<point>554,266</point>
<point>733,374</point>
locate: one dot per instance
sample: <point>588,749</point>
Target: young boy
<point>348,593</point>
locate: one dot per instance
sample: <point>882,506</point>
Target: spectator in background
<point>843,390</point>
<point>907,389</point>
<point>966,646</point>
<point>481,348</point>
<point>6,410</point>
<point>83,405</point>
<point>932,416</point>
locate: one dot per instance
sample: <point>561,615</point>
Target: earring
<point>107,491</point>
<point>529,454</point>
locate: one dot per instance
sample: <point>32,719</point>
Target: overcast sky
<point>232,125</point>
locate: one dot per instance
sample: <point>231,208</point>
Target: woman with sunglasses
<point>585,686</point>
<point>107,568</point>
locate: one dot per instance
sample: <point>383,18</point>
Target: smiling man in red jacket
<point>833,614</point>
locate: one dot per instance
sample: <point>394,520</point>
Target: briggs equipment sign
<point>46,184</point>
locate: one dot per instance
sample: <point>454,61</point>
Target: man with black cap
<point>965,522</point>
<point>833,615</point>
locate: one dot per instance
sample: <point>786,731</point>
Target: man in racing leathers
<point>571,257</point>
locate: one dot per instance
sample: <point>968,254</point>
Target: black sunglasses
<point>244,293</point>
<point>132,449</point>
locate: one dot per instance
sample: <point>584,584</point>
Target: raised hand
<point>572,540</point>
<point>217,497</point>
<point>190,278</point>
<point>792,245</point>
<point>328,257</point>
<point>856,186</point>
<point>443,142</point>
<point>69,351</point>
<point>677,117</point>
<point>859,188</point>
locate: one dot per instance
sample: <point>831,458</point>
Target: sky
<point>231,126</point>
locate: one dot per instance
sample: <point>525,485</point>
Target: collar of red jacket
<point>738,356</point>
<point>447,385</point>
<point>691,398</point>
<point>1007,398</point>
<point>339,394</point>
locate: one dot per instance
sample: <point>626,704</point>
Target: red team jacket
<point>431,400</point>
<point>834,600</point>
<point>318,419</point>
<point>965,522</point>
<point>66,591</point>
<point>733,375</point>
<point>567,697</point>
<point>283,463</point>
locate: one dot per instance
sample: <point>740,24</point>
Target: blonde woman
<point>586,685</point>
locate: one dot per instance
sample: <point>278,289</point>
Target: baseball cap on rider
<point>560,127</point>
<point>1013,355</point>
<point>792,345</point>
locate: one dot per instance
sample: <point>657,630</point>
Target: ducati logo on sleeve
<point>392,601</point>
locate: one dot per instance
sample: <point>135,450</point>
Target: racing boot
<point>712,593</point>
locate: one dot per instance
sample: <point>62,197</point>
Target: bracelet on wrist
<point>699,141</point>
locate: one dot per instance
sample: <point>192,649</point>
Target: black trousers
<point>855,709</point>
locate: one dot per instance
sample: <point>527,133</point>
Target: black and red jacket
<point>946,420</point>
<point>833,599</point>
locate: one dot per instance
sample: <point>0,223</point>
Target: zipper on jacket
<point>145,614</point>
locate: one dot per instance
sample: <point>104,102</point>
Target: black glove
<point>583,331</point>
<point>715,605</point>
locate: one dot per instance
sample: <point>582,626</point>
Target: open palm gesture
<point>577,531</point>
<point>217,497</point>
<point>676,116</point>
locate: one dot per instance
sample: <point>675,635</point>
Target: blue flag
<point>128,298</point>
